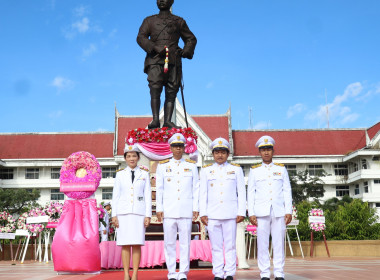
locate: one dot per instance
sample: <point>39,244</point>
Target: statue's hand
<point>186,54</point>
<point>159,50</point>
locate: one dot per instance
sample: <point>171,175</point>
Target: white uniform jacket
<point>222,191</point>
<point>128,198</point>
<point>177,188</point>
<point>269,186</point>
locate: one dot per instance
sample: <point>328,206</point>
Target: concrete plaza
<point>295,268</point>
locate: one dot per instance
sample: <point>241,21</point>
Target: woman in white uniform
<point>132,209</point>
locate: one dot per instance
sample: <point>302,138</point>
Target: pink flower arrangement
<point>316,226</point>
<point>101,214</point>
<point>294,213</point>
<point>77,161</point>
<point>32,228</point>
<point>7,223</point>
<point>316,212</point>
<point>53,210</point>
<point>159,135</point>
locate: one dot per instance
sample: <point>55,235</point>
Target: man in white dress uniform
<point>177,203</point>
<point>270,208</point>
<point>222,204</point>
<point>104,230</point>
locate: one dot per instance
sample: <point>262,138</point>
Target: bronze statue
<point>158,37</point>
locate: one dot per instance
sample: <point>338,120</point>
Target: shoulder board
<point>120,170</point>
<point>207,165</point>
<point>164,161</point>
<point>191,161</point>
<point>235,164</point>
<point>144,168</point>
<point>255,166</point>
<point>278,164</point>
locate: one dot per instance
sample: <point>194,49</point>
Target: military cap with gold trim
<point>177,139</point>
<point>131,148</point>
<point>220,143</point>
<point>265,142</point>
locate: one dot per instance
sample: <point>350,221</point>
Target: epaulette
<point>164,161</point>
<point>235,164</point>
<point>144,168</point>
<point>191,161</point>
<point>256,165</point>
<point>278,164</point>
<point>207,165</point>
<point>119,170</point>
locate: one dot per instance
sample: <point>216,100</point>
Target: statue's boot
<point>168,113</point>
<point>155,103</point>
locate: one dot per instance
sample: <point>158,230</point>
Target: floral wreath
<point>53,210</point>
<point>316,226</point>
<point>81,167</point>
<point>159,135</point>
<point>101,214</point>
<point>7,223</point>
<point>32,228</point>
<point>294,212</point>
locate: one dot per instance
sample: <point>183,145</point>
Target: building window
<point>342,191</point>
<point>6,173</point>
<point>376,158</point>
<point>55,194</point>
<point>341,169</point>
<point>355,167</point>
<point>292,169</point>
<point>32,173</point>
<point>365,187</point>
<point>357,191</point>
<point>376,181</point>
<point>315,170</point>
<point>107,194</point>
<point>108,172</point>
<point>377,204</point>
<point>55,172</point>
<point>364,164</point>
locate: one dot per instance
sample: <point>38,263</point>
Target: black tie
<point>133,175</point>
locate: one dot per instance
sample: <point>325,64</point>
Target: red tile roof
<point>213,126</point>
<point>302,142</point>
<point>126,124</point>
<point>26,146</point>
<point>373,130</point>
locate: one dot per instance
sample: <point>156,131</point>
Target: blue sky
<point>65,63</point>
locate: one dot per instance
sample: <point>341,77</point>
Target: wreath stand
<point>312,243</point>
<point>293,225</point>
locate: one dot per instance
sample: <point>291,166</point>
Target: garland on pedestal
<point>7,223</point>
<point>317,226</point>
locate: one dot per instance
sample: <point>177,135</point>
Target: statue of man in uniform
<point>158,37</point>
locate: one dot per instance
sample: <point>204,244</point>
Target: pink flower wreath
<point>77,161</point>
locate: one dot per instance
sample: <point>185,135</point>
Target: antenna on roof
<point>250,117</point>
<point>327,110</point>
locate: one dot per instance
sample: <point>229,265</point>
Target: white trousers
<point>183,227</point>
<point>270,225</point>
<point>104,237</point>
<point>223,232</point>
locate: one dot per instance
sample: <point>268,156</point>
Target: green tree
<point>17,201</point>
<point>305,186</point>
<point>352,220</point>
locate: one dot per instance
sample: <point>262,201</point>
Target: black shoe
<point>172,279</point>
<point>279,278</point>
<point>265,278</point>
<point>218,278</point>
<point>229,278</point>
<point>183,279</point>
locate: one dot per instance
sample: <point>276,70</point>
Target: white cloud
<point>262,125</point>
<point>337,113</point>
<point>90,50</point>
<point>81,26</point>
<point>61,83</point>
<point>56,114</point>
<point>295,109</point>
<point>210,85</point>
<point>81,11</point>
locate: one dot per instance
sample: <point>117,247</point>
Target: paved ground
<point>296,269</point>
